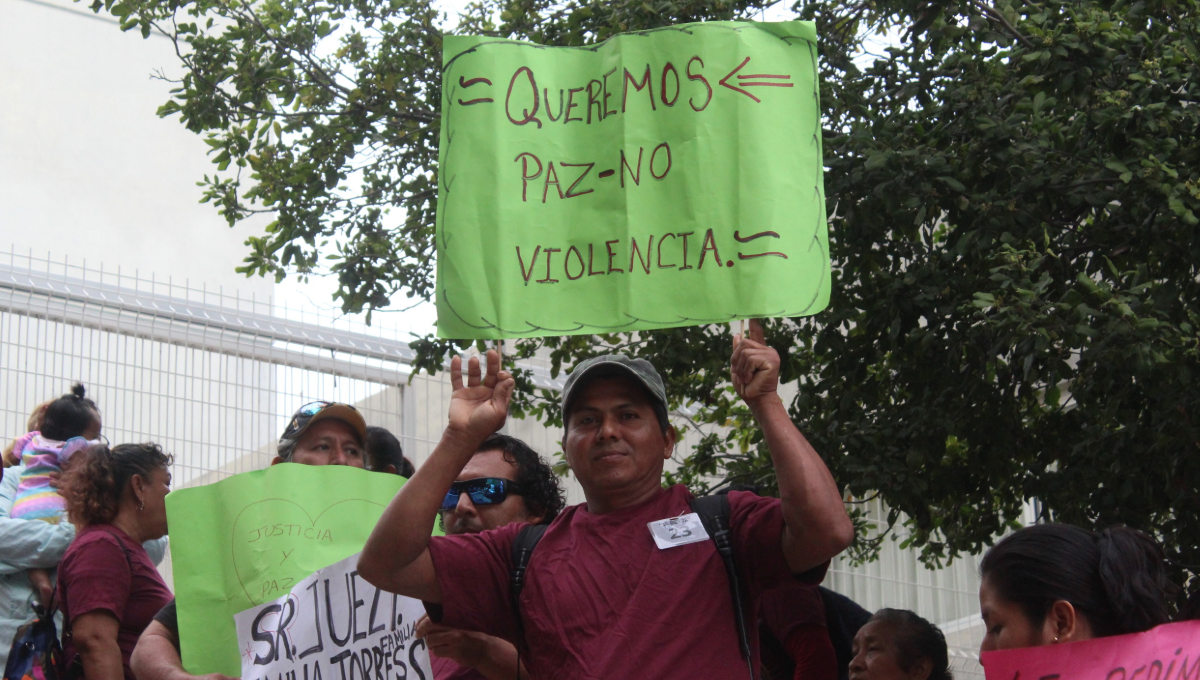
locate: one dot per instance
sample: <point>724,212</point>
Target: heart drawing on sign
<point>276,542</point>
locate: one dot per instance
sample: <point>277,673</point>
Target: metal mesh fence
<point>213,375</point>
<point>949,597</point>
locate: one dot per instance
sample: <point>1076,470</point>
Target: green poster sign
<point>664,178</point>
<point>248,539</point>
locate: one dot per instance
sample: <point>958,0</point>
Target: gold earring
<point>1055,640</point>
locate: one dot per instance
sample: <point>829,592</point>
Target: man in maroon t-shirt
<point>626,584</point>
<point>504,482</point>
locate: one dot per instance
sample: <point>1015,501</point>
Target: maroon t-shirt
<point>445,669</point>
<point>796,617</point>
<point>602,601</point>
<point>787,609</point>
<point>98,575</point>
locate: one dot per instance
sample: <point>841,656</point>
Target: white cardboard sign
<point>333,625</point>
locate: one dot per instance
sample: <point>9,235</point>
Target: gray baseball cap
<point>614,364</point>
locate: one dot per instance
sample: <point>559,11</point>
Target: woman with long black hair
<point>1053,583</point>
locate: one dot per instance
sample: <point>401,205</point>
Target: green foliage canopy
<point>1014,194</point>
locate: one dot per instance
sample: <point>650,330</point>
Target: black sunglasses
<point>483,491</point>
<point>304,414</point>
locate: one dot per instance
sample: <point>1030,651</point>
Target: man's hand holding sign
<point>243,544</point>
<point>806,487</point>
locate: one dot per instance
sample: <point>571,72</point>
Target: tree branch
<point>995,14</point>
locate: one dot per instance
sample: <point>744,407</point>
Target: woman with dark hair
<point>896,644</point>
<point>384,453</point>
<point>110,590</point>
<point>1052,583</point>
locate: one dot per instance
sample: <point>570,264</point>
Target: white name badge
<point>681,530</point>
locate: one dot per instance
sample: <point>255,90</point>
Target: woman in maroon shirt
<point>110,588</point>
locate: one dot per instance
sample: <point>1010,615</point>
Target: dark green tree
<point>1013,193</point>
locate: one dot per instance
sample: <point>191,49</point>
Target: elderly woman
<point>110,588</point>
<point>896,644</point>
<point>1052,583</point>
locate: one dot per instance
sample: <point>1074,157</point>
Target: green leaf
<point>954,184</point>
<point>877,160</point>
<point>1053,395</point>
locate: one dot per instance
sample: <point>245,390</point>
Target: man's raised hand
<point>479,407</point>
<point>754,367</point>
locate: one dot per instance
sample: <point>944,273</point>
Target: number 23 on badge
<point>674,531</point>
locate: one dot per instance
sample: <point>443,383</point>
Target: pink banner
<point>1169,652</point>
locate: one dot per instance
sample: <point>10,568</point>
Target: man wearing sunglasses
<point>505,482</point>
<point>628,584</point>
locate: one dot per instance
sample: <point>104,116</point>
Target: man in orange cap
<point>324,433</point>
<point>319,433</point>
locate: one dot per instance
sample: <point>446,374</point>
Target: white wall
<point>86,167</point>
<point>88,171</point>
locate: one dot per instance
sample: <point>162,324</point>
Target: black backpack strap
<point>712,509</point>
<point>714,514</point>
<point>522,549</point>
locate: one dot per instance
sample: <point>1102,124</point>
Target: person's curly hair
<point>95,479</point>
<point>539,485</point>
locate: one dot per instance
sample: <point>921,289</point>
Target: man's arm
<point>156,658</point>
<point>491,657</point>
<point>28,544</point>
<point>816,526</point>
<point>396,557</point>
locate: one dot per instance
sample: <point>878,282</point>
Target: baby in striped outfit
<point>71,423</point>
